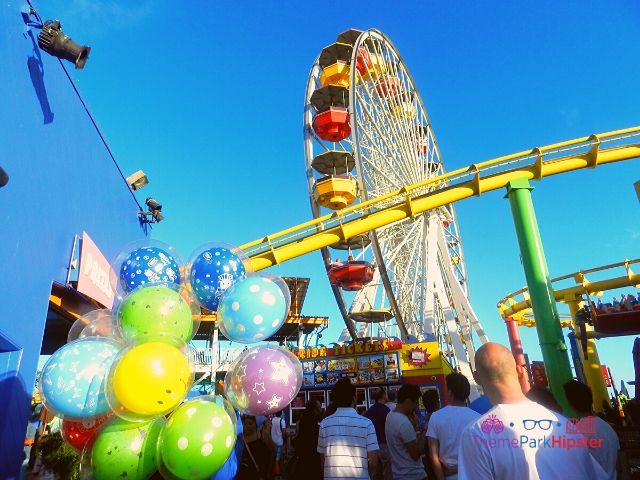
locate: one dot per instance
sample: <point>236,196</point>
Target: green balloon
<point>156,310</point>
<point>126,450</point>
<point>197,440</point>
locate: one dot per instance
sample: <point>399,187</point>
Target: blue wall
<point>62,181</point>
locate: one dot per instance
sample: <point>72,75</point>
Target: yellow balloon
<point>151,379</point>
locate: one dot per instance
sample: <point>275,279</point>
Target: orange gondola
<point>351,275</point>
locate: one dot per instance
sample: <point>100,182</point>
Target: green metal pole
<point>554,350</point>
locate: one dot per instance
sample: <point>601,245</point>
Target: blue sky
<point>207,97</point>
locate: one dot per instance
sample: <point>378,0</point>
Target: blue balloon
<point>252,310</point>
<point>212,273</point>
<point>148,265</point>
<point>72,381</point>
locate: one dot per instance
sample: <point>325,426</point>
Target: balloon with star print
<point>263,380</point>
<point>254,308</point>
<point>146,262</point>
<point>72,381</point>
<point>214,268</point>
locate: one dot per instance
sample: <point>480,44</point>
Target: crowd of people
<point>508,435</point>
<point>627,302</point>
<point>517,437</point>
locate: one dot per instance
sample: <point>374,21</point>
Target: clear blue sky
<point>207,97</point>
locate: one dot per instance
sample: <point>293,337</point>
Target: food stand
<point>369,364</point>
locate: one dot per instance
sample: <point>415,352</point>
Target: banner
<point>93,274</point>
<point>354,348</point>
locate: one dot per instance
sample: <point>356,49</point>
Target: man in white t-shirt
<point>605,448</point>
<point>446,426</point>
<point>347,442</point>
<point>517,438</point>
<point>404,444</point>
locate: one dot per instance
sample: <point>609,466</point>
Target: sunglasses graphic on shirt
<point>544,424</point>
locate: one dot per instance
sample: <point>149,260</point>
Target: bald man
<point>519,439</point>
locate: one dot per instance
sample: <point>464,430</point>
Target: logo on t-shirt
<point>538,433</point>
<point>492,424</point>
<point>586,425</point>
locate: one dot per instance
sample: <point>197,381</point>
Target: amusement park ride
<point>379,191</point>
<point>587,320</point>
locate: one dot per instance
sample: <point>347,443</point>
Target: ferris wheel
<point>367,133</point>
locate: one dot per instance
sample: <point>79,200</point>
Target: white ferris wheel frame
<point>421,271</point>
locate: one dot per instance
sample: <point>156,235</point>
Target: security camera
<point>153,205</point>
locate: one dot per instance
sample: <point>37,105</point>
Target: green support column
<point>554,350</point>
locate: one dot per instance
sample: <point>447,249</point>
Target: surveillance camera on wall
<point>153,205</point>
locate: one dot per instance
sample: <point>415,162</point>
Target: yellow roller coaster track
<point>516,304</point>
<point>412,200</point>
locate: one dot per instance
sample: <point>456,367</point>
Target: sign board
<point>354,348</point>
<point>539,374</point>
<point>605,375</point>
<point>94,272</point>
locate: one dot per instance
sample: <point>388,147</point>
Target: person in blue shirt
<point>482,404</point>
<point>377,413</point>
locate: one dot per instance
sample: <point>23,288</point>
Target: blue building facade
<point>62,181</point>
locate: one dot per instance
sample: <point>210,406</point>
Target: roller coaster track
<point>517,303</point>
<point>412,200</point>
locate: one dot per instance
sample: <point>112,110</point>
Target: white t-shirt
<point>524,441</point>
<point>345,439</point>
<point>606,451</point>
<point>399,431</point>
<point>446,425</point>
<point>277,426</point>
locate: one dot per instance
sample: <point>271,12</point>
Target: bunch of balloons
<point>121,381</point>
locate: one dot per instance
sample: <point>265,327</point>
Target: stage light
<point>4,177</point>
<point>53,41</point>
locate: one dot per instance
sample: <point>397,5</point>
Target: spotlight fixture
<point>53,41</point>
<point>137,180</point>
<point>154,214</point>
<point>4,177</point>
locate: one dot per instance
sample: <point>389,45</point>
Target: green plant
<point>59,458</point>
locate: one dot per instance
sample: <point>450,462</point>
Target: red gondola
<point>389,86</point>
<point>612,320</point>
<point>351,275</point>
<point>332,124</point>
